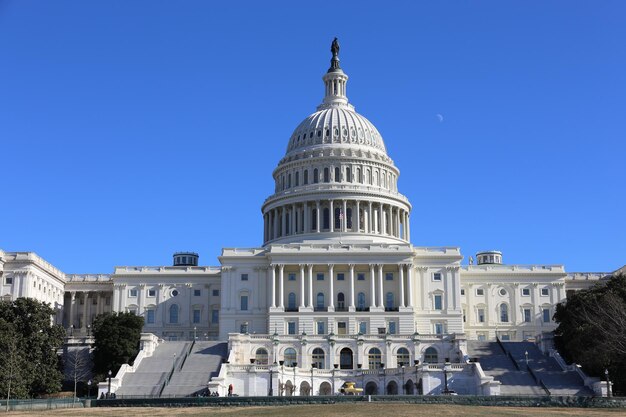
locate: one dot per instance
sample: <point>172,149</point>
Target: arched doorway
<point>345,359</point>
<point>374,358</point>
<point>410,387</point>
<point>289,389</point>
<point>392,388</point>
<point>431,355</point>
<point>371,388</point>
<point>325,389</point>
<point>317,359</point>
<point>305,389</point>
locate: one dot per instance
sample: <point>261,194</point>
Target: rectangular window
<point>342,327</point>
<point>392,327</point>
<point>382,330</point>
<point>244,303</point>
<point>9,280</point>
<point>291,327</point>
<point>216,293</point>
<point>438,328</point>
<point>438,302</point>
<point>546,315</point>
<point>320,276</point>
<point>291,277</point>
<point>360,277</point>
<point>437,276</point>
<point>480,291</point>
<point>481,337</point>
<point>389,276</point>
<point>150,316</point>
<point>132,293</point>
<point>363,327</point>
<point>527,315</point>
<point>481,315</point>
<point>462,291</point>
<point>197,293</point>
<point>321,327</point>
<point>244,277</point>
<point>545,292</point>
<point>152,293</point>
<point>215,316</point>
<point>340,277</point>
<point>196,315</point>
<point>525,292</point>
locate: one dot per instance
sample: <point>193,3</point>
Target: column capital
<point>310,266</point>
<point>351,266</point>
<point>281,266</point>
<point>422,268</point>
<point>408,265</point>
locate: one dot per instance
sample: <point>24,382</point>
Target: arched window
<point>389,301</point>
<point>326,219</point>
<point>316,176</point>
<point>338,217</point>
<point>374,358</point>
<point>349,218</point>
<point>345,359</point>
<point>504,313</point>
<point>289,181</point>
<point>261,356</point>
<point>320,300</point>
<point>291,301</point>
<point>360,301</point>
<point>337,174</point>
<point>348,176</point>
<point>341,301</point>
<point>326,175</point>
<point>314,219</point>
<point>431,355</point>
<point>375,177</point>
<point>291,358</point>
<point>368,177</point>
<point>306,176</point>
<point>174,313</point>
<point>317,359</point>
<point>402,357</point>
<point>297,179</point>
<point>359,178</point>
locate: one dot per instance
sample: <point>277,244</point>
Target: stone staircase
<point>148,378</point>
<point>547,369</point>
<point>201,364</point>
<point>495,362</point>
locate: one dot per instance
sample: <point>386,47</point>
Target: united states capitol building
<point>335,293</point>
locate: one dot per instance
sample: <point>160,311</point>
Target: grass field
<point>334,410</point>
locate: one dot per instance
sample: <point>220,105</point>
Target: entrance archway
<point>392,388</point>
<point>410,387</point>
<point>346,359</point>
<point>305,389</point>
<point>371,388</point>
<point>325,389</point>
<point>289,389</point>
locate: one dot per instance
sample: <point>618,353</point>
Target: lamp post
<point>271,391</point>
<point>194,333</point>
<point>382,369</point>
<point>403,386</point>
<point>109,391</point>
<point>416,362</point>
<point>445,378</point>
<point>312,367</point>
<point>359,367</point>
<point>526,355</point>
<point>608,383</point>
<point>72,330</point>
<point>88,330</point>
<point>335,366</point>
<point>89,389</point>
<point>295,365</point>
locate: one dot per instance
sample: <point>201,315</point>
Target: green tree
<point>117,338</point>
<point>29,365</point>
<point>592,330</point>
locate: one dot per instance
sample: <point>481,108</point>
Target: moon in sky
<point>439,117</point>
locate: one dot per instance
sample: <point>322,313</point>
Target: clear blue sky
<point>133,129</point>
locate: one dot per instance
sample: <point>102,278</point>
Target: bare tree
<point>77,366</point>
<point>607,315</point>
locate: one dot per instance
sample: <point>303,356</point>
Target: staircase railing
<point>538,380</point>
<point>188,351</point>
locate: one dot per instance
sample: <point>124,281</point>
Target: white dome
<point>335,125</point>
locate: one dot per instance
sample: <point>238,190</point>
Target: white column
<point>331,279</point>
<point>310,268</point>
<point>408,226</point>
<point>358,218</point>
<point>305,218</point>
<point>275,224</point>
<point>381,224</point>
<point>301,285</point>
<point>70,320</point>
<point>273,285</point>
<point>283,220</point>
<point>409,283</point>
<point>332,216</point>
<point>293,228</point>
<point>381,295</point>
<point>401,279</point>
<point>281,285</point>
<point>344,221</point>
<point>370,219</point>
<point>352,287</point>
<point>85,303</point>
<point>317,217</point>
<point>372,287</point>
